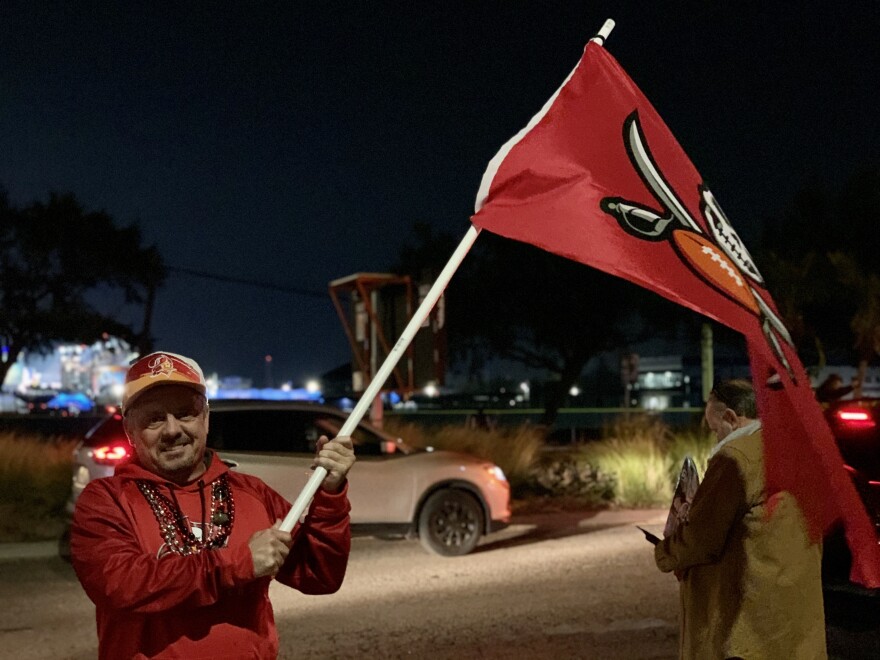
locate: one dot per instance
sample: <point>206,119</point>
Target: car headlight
<point>495,471</point>
<point>81,476</point>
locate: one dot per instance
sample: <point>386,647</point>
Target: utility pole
<point>269,381</point>
<point>707,359</point>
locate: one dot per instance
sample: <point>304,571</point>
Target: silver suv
<point>448,500</point>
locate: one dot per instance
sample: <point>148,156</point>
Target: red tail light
<point>855,418</point>
<point>111,454</point>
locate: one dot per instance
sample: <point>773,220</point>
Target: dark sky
<point>295,143</point>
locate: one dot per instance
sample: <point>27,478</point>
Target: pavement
<point>651,518</point>
<point>32,550</point>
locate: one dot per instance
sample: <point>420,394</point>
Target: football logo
<point>722,260</point>
<point>714,266</point>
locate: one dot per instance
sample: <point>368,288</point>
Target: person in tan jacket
<point>750,578</point>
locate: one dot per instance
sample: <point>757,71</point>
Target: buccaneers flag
<point>596,176</point>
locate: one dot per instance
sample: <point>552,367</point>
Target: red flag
<point>597,177</point>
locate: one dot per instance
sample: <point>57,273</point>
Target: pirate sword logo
<point>720,260</point>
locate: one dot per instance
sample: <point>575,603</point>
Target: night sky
<point>295,143</point>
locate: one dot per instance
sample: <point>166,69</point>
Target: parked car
<point>54,402</point>
<point>856,427</point>
<point>36,401</point>
<point>71,403</point>
<point>447,500</point>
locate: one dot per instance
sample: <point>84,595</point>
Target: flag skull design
<point>721,260</point>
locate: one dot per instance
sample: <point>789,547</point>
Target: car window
<point>258,430</point>
<point>366,443</point>
<point>108,430</point>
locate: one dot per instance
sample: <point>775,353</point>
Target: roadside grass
<point>34,484</point>
<point>635,464</point>
<point>694,443</point>
<point>644,456</point>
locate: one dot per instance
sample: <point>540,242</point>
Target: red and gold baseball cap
<point>161,369</point>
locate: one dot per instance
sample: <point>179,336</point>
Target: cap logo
<point>161,365</point>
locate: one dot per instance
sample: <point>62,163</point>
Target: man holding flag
<point>177,551</point>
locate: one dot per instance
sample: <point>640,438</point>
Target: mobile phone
<point>651,537</point>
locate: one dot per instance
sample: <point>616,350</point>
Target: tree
<point>820,260</point>
<point>859,267</point>
<point>55,260</point>
<point>514,301</point>
<point>423,259</point>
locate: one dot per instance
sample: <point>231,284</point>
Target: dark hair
<point>738,395</point>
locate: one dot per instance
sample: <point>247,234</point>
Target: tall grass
<point>644,456</point>
<point>635,464</point>
<point>34,484</point>
<point>694,443</point>
<point>514,449</point>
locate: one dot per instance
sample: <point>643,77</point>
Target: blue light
<point>71,401</point>
<point>269,394</point>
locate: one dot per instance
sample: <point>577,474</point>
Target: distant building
<point>661,383</point>
<point>675,381</point>
<point>94,372</point>
<point>91,369</point>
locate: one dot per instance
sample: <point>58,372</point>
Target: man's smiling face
<point>168,427</point>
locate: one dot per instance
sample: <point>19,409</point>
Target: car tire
<point>450,523</point>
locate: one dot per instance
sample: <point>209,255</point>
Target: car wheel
<point>450,523</point>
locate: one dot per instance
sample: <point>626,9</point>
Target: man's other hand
<point>269,548</point>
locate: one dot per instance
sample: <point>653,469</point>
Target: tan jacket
<point>751,580</point>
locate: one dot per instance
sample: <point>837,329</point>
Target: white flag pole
<point>603,32</point>
<point>354,418</point>
<point>378,380</point>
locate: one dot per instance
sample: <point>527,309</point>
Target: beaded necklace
<point>173,525</point>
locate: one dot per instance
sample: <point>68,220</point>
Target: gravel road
<point>566,585</point>
<point>563,585</point>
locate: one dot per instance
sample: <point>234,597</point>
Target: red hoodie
<point>205,605</point>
